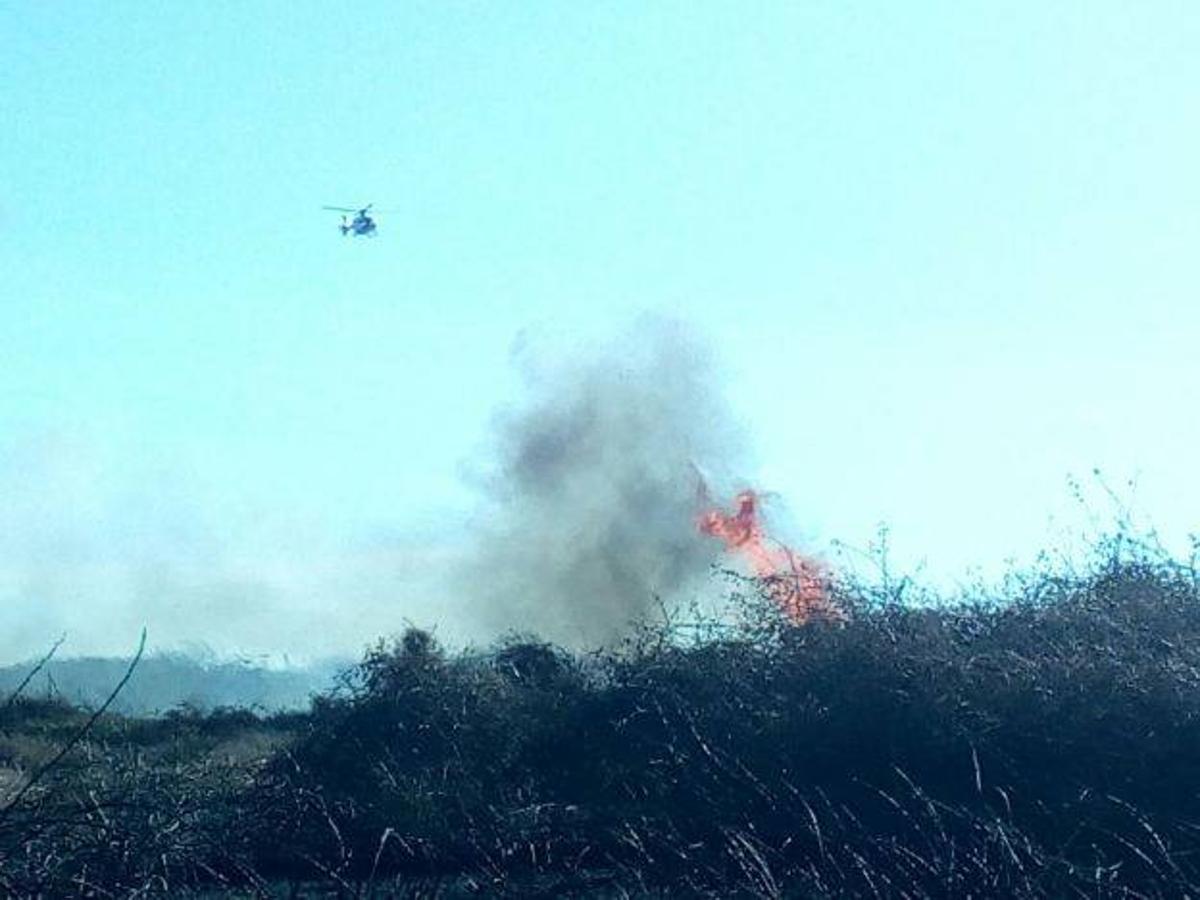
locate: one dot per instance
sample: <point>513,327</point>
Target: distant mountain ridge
<point>168,680</point>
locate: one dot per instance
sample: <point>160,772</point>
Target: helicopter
<point>362,225</point>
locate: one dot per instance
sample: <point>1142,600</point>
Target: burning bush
<point>797,584</point>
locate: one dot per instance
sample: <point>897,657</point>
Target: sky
<point>944,254</point>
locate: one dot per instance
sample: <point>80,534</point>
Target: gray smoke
<point>590,513</point>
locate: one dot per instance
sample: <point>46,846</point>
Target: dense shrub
<point>1035,742</point>
<point>1035,746</point>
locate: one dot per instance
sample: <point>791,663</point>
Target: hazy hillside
<point>165,681</point>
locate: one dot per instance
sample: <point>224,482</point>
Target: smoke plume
<point>591,504</point>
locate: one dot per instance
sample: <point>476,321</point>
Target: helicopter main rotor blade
<point>340,209</point>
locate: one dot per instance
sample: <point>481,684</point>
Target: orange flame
<point>796,583</point>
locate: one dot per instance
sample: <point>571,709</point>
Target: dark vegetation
<point>1041,740</point>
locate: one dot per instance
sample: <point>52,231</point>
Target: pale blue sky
<point>947,253</point>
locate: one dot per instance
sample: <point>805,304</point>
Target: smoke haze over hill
<point>166,681</point>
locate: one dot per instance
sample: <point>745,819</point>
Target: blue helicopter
<point>362,225</point>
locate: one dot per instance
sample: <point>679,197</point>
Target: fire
<point>796,583</point>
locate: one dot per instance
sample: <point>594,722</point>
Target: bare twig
<point>12,698</point>
<point>79,735</point>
